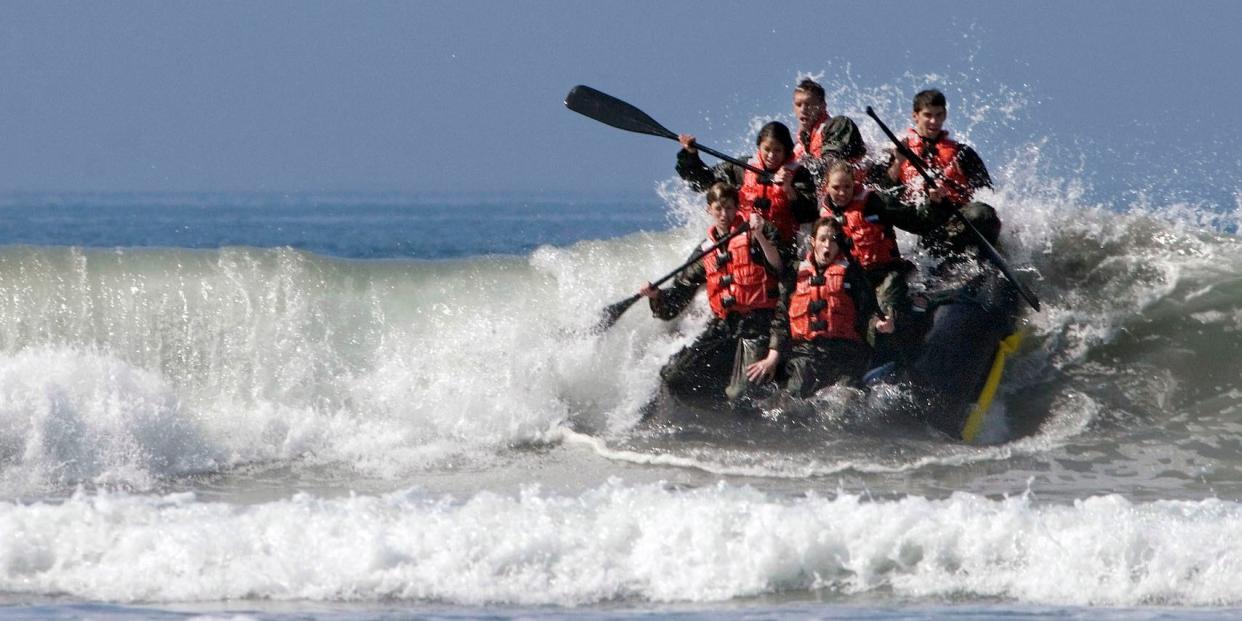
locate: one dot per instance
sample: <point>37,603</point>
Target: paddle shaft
<point>614,311</point>
<point>609,110</point>
<point>988,248</point>
<point>915,160</point>
<point>699,255</point>
<point>732,160</point>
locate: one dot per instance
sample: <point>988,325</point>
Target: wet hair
<point>810,87</point>
<point>839,166</point>
<point>778,132</point>
<point>721,190</point>
<point>837,232</point>
<point>930,98</point>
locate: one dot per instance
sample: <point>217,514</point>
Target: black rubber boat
<point>970,330</point>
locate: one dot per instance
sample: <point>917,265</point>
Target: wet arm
<point>691,168</point>
<point>804,204</point>
<point>842,139</point>
<point>675,298</point>
<point>878,173</point>
<point>917,219</point>
<point>769,242</point>
<point>779,340</point>
<point>973,168</point>
<point>864,298</point>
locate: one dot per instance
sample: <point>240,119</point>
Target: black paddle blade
<point>612,313</point>
<point>612,111</point>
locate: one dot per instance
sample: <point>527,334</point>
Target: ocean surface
<point>355,406</point>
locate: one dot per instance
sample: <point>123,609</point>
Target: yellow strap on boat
<point>975,421</point>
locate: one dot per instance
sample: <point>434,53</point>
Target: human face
<point>773,153</point>
<point>824,245</point>
<point>929,121</point>
<point>722,212</point>
<point>840,188</point>
<point>808,108</point>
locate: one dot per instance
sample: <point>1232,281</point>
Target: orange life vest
<point>940,156</point>
<point>817,140</point>
<point>780,211</point>
<point>737,279</point>
<point>872,244</point>
<point>821,306</point>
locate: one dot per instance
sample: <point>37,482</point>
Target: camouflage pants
<point>812,366</point>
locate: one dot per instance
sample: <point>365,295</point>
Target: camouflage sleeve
<point>877,174</point>
<point>691,168</point>
<point>817,166</point>
<point>780,340</point>
<point>675,298</point>
<point>972,166</point>
<point>774,236</point>
<point>863,296</point>
<point>917,219</point>
<point>842,139</point>
<point>805,205</point>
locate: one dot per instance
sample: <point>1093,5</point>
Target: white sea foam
<point>621,542</point>
<point>276,355</point>
<point>166,362</point>
<point>389,367</point>
<point>73,416</point>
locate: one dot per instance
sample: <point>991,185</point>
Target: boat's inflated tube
<point>960,350</point>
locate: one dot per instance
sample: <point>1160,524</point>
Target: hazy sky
<point>467,96</point>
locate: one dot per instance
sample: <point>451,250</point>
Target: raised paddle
<point>612,111</point>
<point>614,311</point>
<point>988,249</point>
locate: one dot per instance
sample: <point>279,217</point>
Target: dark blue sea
<point>357,226</point>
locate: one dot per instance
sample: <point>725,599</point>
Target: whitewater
<point>377,406</point>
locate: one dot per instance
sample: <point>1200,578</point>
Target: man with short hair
<point>956,168</point>
<point>822,137</point>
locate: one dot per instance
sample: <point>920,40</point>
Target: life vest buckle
<point>727,301</point>
<point>817,305</point>
<point>819,325</point>
<point>723,257</point>
<point>726,280</point>
<point>763,204</point>
<point>818,280</point>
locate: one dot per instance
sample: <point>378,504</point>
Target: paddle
<point>612,111</point>
<point>614,311</point>
<point>988,249</point>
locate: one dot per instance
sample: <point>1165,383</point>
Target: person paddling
<point>786,199</point>
<point>959,169</point>
<point>822,319</point>
<point>743,289</point>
